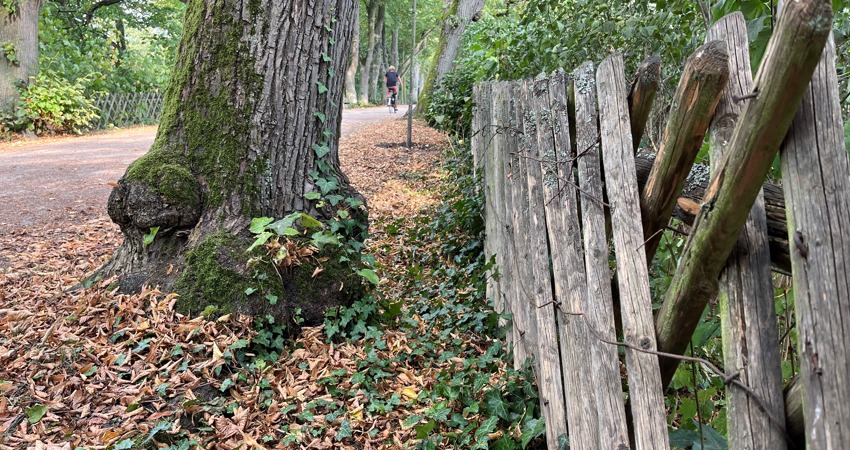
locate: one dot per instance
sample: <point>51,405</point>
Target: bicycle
<point>392,98</point>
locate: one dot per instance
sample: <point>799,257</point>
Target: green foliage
<point>538,36</point>
<point>9,52</point>
<point>450,107</point>
<point>126,47</point>
<point>50,104</point>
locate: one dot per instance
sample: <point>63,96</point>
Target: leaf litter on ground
<point>87,367</point>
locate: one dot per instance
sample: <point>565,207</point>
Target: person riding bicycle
<point>392,81</point>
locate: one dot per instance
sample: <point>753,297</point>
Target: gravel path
<point>58,180</point>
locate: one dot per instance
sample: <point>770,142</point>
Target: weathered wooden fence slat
<point>816,177</point>
<point>747,310</point>
<point>550,166</point>
<point>598,305</point>
<point>539,294</point>
<point>647,400</point>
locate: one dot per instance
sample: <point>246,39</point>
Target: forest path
<point>49,181</point>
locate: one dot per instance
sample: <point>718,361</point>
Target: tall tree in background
<point>458,16</point>
<point>379,55</point>
<point>249,128</point>
<point>351,71</point>
<point>371,38</point>
<point>19,46</point>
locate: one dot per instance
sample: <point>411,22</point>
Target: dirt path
<point>66,179</point>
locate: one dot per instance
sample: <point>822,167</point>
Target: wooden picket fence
<point>125,109</point>
<point>558,156</point>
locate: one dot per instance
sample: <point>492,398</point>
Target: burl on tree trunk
<point>249,129</point>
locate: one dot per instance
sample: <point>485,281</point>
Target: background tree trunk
<point>458,17</point>
<point>18,48</point>
<point>394,49</point>
<point>244,112</point>
<point>379,56</point>
<point>351,72</point>
<point>366,73</point>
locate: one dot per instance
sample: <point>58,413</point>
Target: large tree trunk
<point>366,74</point>
<point>458,17</point>
<point>351,72</point>
<point>247,130</point>
<point>19,52</point>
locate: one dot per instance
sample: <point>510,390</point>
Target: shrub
<point>50,104</point>
<point>450,108</point>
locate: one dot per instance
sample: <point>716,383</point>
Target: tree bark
<point>248,129</point>
<point>366,73</point>
<point>457,18</point>
<point>351,71</point>
<point>18,48</point>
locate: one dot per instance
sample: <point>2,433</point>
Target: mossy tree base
<point>246,131</point>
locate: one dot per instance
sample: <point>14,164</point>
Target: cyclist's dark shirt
<point>392,79</point>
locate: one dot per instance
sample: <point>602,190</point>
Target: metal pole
<point>410,83</point>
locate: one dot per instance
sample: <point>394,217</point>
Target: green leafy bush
<point>450,108</point>
<point>50,104</point>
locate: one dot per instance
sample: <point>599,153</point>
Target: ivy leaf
<point>320,116</point>
<point>322,88</point>
<point>326,185</point>
<point>344,430</point>
<point>162,426</point>
<point>249,291</point>
<point>532,429</point>
<point>35,413</point>
<point>412,420</point>
<point>225,385</point>
<point>309,221</point>
<point>312,196</point>
<point>422,431</point>
<point>713,439</point>
<point>505,443</point>
<point>495,405</point>
<point>326,58</point>
<point>335,199</point>
<point>258,224</point>
<point>271,298</point>
<point>321,150</point>
<point>124,445</point>
<point>487,427</point>
<point>261,240</point>
<point>320,239</point>
<point>369,275</point>
<point>148,238</point>
<point>281,226</point>
<point>241,343</point>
